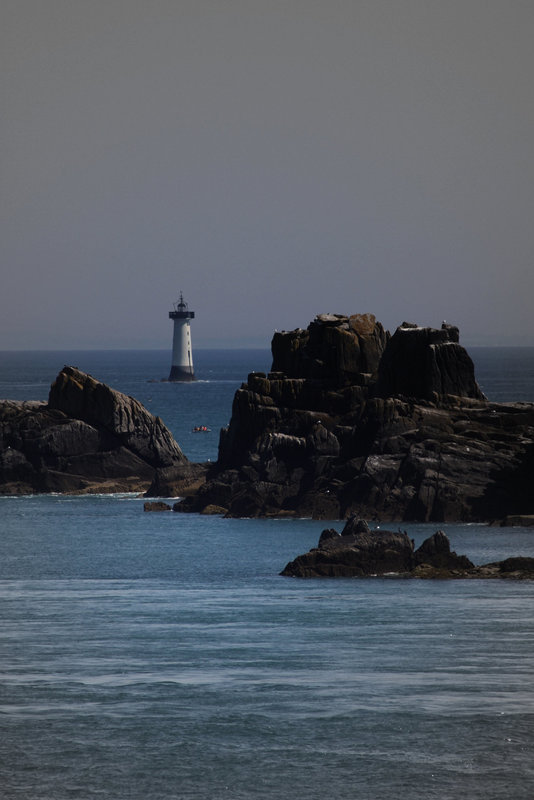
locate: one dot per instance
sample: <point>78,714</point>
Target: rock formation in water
<point>156,505</point>
<point>350,420</point>
<point>353,420</point>
<point>87,438</point>
<point>360,552</point>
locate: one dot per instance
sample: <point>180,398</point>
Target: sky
<point>272,159</point>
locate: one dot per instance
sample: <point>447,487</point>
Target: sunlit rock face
<point>334,348</point>
<point>353,420</point>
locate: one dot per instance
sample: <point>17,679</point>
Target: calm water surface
<point>162,656</point>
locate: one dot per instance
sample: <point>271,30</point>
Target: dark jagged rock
<point>356,552</point>
<point>426,363</point>
<point>87,438</point>
<point>353,420</point>
<point>359,552</point>
<point>334,348</point>
<point>436,552</point>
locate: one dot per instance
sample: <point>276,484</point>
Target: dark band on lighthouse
<point>182,352</point>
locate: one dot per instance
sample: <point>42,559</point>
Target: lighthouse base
<point>182,374</point>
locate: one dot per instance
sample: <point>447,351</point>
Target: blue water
<point>156,656</point>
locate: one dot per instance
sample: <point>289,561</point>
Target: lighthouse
<point>182,353</point>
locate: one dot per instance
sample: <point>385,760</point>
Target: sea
<point>150,656</point>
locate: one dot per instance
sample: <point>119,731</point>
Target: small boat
<point>201,429</point>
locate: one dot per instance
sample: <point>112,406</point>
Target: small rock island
<point>359,552</point>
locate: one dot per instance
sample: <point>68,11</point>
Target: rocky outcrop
<point>426,363</point>
<point>156,506</point>
<point>337,349</point>
<point>353,420</point>
<point>357,551</point>
<point>87,438</point>
<point>360,552</point>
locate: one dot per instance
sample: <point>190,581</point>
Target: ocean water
<point>158,656</point>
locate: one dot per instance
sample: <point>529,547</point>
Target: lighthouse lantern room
<point>182,353</point>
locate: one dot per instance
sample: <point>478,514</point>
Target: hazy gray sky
<point>273,159</point>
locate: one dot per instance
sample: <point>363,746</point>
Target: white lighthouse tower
<point>182,353</point>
